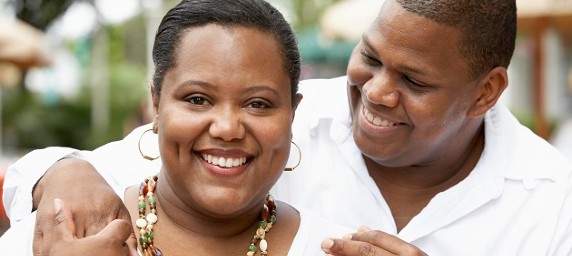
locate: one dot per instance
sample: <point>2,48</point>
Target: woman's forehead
<point>218,54</point>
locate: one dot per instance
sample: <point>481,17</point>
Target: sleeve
<point>19,238</point>
<point>24,174</point>
<point>119,163</point>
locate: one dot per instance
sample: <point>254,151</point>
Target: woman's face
<point>224,119</point>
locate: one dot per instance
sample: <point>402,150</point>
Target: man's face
<point>410,90</point>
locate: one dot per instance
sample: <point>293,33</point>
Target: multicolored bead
<point>145,222</point>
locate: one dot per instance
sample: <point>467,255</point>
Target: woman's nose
<point>227,125</point>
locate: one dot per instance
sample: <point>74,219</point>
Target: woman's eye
<point>258,104</point>
<point>196,100</point>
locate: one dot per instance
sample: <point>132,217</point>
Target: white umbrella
<point>536,8</point>
<point>349,19</point>
<point>536,14</point>
<point>22,44</point>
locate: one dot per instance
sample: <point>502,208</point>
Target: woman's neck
<point>180,230</point>
<point>177,213</point>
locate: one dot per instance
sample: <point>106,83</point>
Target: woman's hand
<point>367,242</point>
<point>112,240</point>
<point>89,198</point>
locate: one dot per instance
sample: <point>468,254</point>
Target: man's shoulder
<point>323,81</point>
<point>526,152</point>
<point>323,92</point>
<point>317,87</point>
<point>322,99</point>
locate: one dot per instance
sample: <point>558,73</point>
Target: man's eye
<point>368,59</point>
<point>196,100</point>
<point>415,84</point>
<point>412,82</point>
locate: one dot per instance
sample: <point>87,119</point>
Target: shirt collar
<point>507,142</point>
<point>508,150</point>
<point>329,107</point>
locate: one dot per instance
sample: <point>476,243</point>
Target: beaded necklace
<point>145,222</point>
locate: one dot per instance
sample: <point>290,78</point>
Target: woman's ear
<point>155,99</point>
<point>490,89</point>
<point>156,124</point>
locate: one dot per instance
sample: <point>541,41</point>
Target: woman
<point>224,95</point>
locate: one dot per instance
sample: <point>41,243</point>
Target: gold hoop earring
<point>289,169</point>
<point>150,158</point>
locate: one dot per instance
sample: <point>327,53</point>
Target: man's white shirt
<point>516,201</point>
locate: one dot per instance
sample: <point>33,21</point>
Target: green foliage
<point>31,120</point>
<point>308,12</point>
<point>528,119</point>
<point>127,92</point>
<point>31,123</point>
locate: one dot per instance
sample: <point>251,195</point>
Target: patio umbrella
<point>22,44</point>
<point>347,20</point>
<point>556,13</point>
<point>536,17</point>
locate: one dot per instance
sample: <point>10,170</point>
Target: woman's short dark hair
<point>257,14</point>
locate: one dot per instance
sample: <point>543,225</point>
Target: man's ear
<point>155,99</point>
<point>490,87</point>
<point>299,97</point>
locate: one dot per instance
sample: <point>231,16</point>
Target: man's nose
<point>382,89</point>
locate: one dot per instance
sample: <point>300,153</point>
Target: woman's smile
<point>222,163</point>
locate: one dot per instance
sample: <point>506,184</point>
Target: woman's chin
<point>225,203</point>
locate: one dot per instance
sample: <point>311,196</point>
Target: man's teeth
<point>376,120</point>
<point>224,162</point>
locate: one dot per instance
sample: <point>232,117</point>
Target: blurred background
<point>76,72</point>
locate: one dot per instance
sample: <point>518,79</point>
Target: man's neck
<point>407,190</point>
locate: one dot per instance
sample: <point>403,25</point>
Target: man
<point>412,144</point>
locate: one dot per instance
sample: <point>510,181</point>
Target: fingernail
<point>57,205</point>
<point>363,229</point>
<point>327,244</point>
<point>347,237</point>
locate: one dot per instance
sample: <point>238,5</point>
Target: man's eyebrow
<point>403,68</point>
<point>368,44</point>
